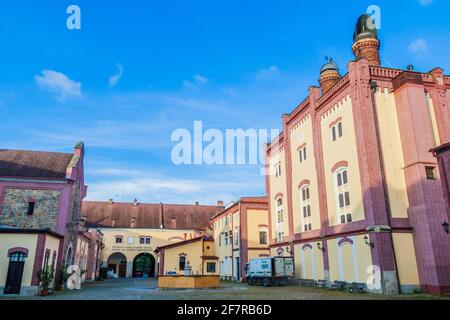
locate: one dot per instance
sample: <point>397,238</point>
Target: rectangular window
<point>305,227</point>
<point>147,240</point>
<point>31,206</point>
<point>342,219</point>
<point>130,240</point>
<point>211,267</point>
<point>340,129</point>
<point>118,240</point>
<point>431,173</point>
<point>349,217</point>
<point>305,214</point>
<point>310,226</point>
<point>344,177</point>
<point>300,155</point>
<point>333,131</point>
<point>309,210</point>
<point>304,153</point>
<point>182,263</point>
<point>341,200</point>
<point>347,199</point>
<point>339,179</point>
<point>262,237</point>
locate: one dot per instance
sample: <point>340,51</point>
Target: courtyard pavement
<point>145,289</point>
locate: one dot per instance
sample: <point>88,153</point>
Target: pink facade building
<point>41,194</point>
<point>351,181</point>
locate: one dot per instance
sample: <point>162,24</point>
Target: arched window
<point>343,195</point>
<point>182,262</point>
<point>305,207</point>
<point>280,210</point>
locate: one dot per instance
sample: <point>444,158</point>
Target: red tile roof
<point>33,164</point>
<point>151,216</point>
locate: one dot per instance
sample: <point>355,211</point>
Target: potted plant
<point>46,277</point>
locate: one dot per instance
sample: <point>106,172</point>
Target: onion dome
<point>365,28</point>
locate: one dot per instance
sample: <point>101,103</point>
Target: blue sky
<point>137,70</point>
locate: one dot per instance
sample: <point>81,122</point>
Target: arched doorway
<point>15,272</point>
<point>144,266</point>
<point>117,264</point>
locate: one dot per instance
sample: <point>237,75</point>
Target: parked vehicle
<point>270,271</point>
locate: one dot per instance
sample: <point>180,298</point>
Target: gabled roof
<point>34,164</point>
<point>147,215</point>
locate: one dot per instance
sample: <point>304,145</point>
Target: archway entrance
<point>117,264</point>
<point>144,266</point>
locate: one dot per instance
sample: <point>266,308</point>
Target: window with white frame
<point>343,196</point>
<point>278,170</point>
<point>305,203</point>
<point>337,131</point>
<point>280,210</point>
<point>280,236</point>
<point>302,153</point>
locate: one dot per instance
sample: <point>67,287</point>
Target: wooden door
<point>15,273</point>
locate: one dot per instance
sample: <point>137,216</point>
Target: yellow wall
<point>349,262</point>
<point>222,251</point>
<point>158,238</point>
<point>309,262</point>
<point>9,241</point>
<point>278,185</point>
<point>406,259</point>
<point>392,153</point>
<point>255,218</point>
<point>343,149</point>
<point>300,134</point>
<point>193,252</point>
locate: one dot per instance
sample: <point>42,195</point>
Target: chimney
<point>135,202</point>
<point>196,203</point>
<point>79,149</point>
<point>161,215</point>
<point>220,203</point>
<point>110,201</point>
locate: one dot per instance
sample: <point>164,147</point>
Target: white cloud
<point>425,3</point>
<point>148,186</point>
<point>419,46</point>
<point>114,79</point>
<point>59,84</point>
<point>197,82</point>
<point>268,73</point>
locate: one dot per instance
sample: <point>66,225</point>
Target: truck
<point>270,271</point>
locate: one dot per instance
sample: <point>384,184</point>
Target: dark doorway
<point>15,273</point>
<point>144,266</point>
<point>117,264</point>
<point>238,268</point>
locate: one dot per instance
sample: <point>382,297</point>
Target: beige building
<point>196,255</point>
<point>241,233</point>
<point>133,231</point>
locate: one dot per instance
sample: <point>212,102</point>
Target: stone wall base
<point>24,291</point>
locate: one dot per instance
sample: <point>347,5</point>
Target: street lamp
<point>367,241</point>
<point>445,225</point>
<point>319,246</point>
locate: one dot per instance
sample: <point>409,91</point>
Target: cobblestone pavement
<point>145,289</point>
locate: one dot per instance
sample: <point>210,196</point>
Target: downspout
<point>373,87</point>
